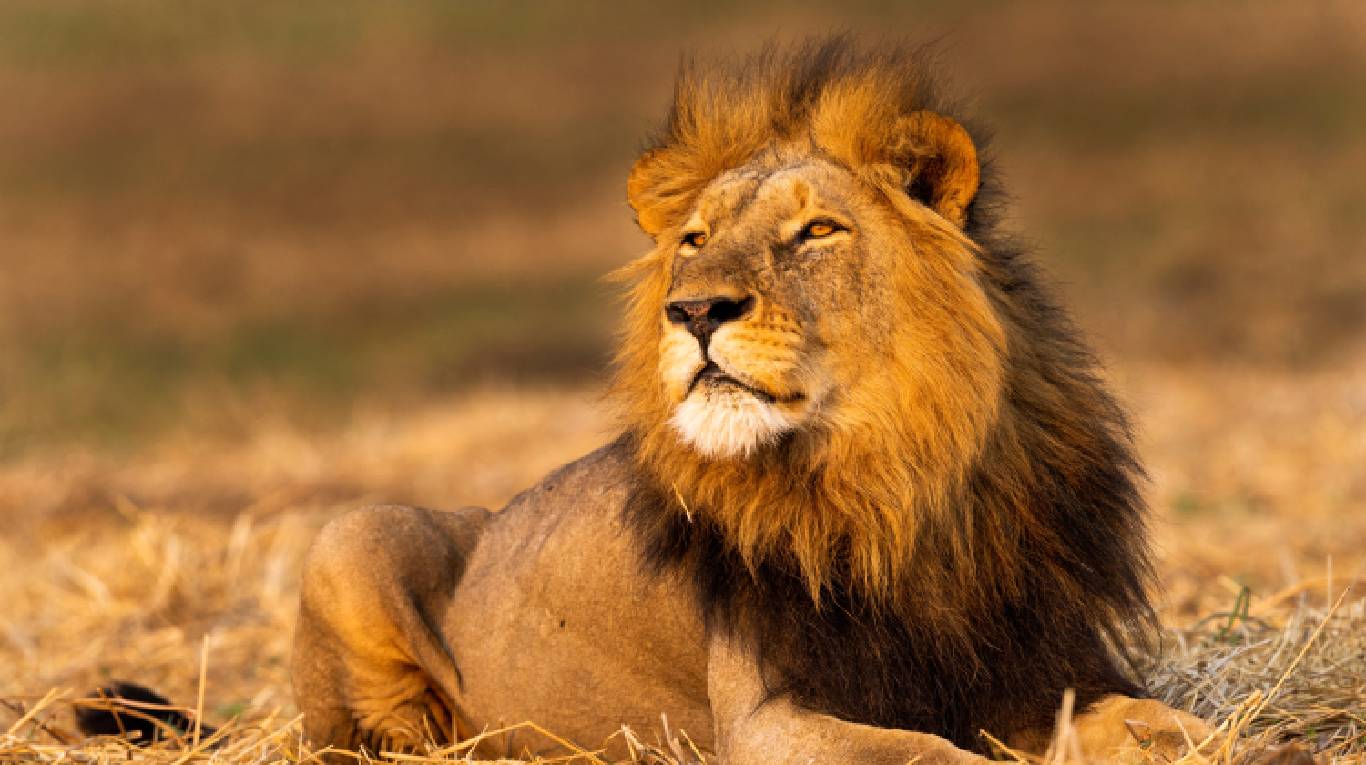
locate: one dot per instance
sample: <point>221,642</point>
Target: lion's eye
<point>695,239</point>
<point>819,229</point>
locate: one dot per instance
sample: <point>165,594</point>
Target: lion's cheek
<point>773,367</point>
<point>680,359</point>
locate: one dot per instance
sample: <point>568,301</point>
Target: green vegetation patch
<point>115,386</point>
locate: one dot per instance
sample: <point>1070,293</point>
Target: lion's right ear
<point>648,189</point>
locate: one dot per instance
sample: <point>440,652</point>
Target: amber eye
<point>819,229</point>
<point>695,239</point>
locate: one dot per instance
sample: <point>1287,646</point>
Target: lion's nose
<point>703,317</point>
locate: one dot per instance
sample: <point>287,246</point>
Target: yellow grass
<point>131,569</point>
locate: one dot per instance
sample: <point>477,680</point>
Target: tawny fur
<point>870,497</point>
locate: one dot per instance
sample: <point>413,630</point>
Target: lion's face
<point>750,315</point>
<point>799,301</point>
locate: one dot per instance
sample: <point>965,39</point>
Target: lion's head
<point>811,299</point>
<point>830,355</point>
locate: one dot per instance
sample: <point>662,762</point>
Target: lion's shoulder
<point>602,475</point>
<point>585,496</point>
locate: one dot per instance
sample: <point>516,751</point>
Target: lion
<point>871,501</point>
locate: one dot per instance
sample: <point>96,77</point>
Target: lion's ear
<point>940,162</point>
<point>644,190</point>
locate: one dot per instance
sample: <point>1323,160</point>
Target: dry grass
<point>1292,672</point>
<point>133,602</point>
<point>204,610</point>
<point>130,570</point>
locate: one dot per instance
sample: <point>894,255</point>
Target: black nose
<point>705,316</point>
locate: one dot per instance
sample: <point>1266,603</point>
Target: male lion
<point>870,500</point>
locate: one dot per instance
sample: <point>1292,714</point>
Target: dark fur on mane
<point>1030,586</point>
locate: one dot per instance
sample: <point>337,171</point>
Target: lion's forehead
<point>764,192</point>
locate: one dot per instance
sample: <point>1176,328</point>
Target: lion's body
<point>871,497</point>
<point>549,620</point>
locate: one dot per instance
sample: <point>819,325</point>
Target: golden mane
<point>852,498</point>
<point>994,491</point>
<point>861,494</point>
<point>849,103</point>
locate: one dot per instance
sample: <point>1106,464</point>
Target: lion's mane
<point>958,570</point>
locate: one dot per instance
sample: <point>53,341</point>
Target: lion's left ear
<point>647,189</point>
<point>940,162</point>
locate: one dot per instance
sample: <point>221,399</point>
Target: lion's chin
<point>724,421</point>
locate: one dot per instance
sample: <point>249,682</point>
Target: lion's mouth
<point>713,374</point>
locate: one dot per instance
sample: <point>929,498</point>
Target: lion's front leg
<point>1124,729</point>
<point>1120,728</point>
<point>369,667</point>
<point>753,730</point>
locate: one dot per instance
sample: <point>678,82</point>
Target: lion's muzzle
<point>731,367</point>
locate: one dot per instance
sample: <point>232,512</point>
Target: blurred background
<point>209,208</point>
<point>260,262</point>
